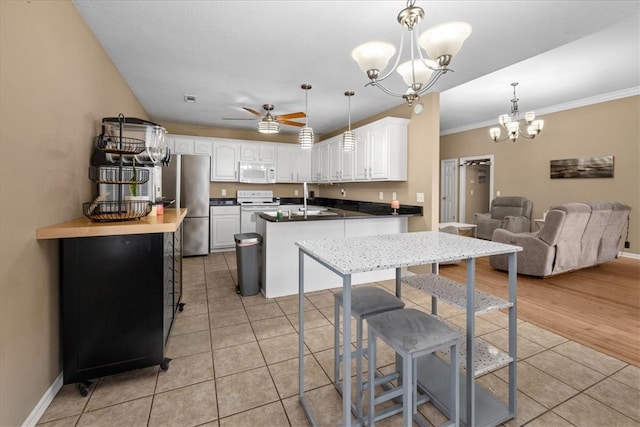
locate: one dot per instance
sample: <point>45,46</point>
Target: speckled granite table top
<point>349,255</point>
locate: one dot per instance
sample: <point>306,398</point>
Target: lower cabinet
<point>119,296</point>
<point>224,223</point>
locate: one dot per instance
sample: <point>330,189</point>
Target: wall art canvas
<point>585,167</point>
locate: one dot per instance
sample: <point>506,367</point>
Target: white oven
<point>253,203</point>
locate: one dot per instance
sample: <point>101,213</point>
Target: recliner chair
<point>511,213</point>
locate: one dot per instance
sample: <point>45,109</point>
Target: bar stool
<point>412,334</point>
<point>365,301</point>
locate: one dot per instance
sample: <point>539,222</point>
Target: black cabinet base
<point>119,295</point>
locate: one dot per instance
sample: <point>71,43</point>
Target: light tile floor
<point>235,364</point>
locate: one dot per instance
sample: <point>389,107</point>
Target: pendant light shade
<point>349,137</point>
<point>305,139</point>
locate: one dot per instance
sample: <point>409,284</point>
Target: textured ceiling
<point>233,54</point>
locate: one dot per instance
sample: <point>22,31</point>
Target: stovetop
<point>256,198</point>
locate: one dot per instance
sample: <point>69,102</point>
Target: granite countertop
<point>369,253</point>
<point>340,209</point>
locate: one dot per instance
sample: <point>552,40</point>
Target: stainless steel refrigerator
<point>187,180</point>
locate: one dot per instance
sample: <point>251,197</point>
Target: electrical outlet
<point>420,197</point>
<point>343,192</point>
<point>627,245</point>
<point>295,192</point>
<point>393,196</point>
<point>381,195</point>
<point>224,192</point>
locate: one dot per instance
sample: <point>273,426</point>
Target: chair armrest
<point>517,224</point>
<point>536,258</point>
<point>481,216</point>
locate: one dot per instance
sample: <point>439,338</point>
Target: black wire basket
<point>113,175</point>
<point>116,211</point>
<point>119,145</point>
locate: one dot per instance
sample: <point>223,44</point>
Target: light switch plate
<point>381,195</point>
<point>295,192</point>
<point>393,196</point>
<point>498,193</point>
<point>224,192</point>
<point>420,197</point>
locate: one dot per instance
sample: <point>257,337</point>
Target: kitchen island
<point>279,267</point>
<point>120,286</point>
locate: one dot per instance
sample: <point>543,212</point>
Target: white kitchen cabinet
<point>224,222</point>
<point>303,165</point>
<point>285,163</point>
<point>203,146</point>
<point>181,144</point>
<point>293,164</point>
<point>381,151</point>
<point>258,151</point>
<point>224,159</point>
<point>324,155</point>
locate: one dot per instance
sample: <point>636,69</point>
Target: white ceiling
<point>233,54</point>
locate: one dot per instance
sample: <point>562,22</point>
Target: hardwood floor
<point>598,307</point>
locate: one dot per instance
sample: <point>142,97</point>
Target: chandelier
<point>306,133</point>
<point>441,43</point>
<point>349,137</point>
<point>515,125</point>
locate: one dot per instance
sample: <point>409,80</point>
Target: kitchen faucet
<point>305,194</point>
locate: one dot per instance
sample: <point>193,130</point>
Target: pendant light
<point>349,137</point>
<point>528,127</point>
<point>306,133</point>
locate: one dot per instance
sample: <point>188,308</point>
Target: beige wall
<point>56,83</point>
<point>522,168</point>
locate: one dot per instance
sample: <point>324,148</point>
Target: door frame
<point>463,178</point>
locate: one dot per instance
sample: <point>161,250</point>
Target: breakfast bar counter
<point>349,255</point>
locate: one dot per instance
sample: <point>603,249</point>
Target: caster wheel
<point>164,365</point>
<point>83,388</point>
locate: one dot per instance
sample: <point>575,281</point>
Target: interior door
<point>448,188</point>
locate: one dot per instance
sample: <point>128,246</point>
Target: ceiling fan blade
<point>237,118</point>
<point>297,115</point>
<point>254,112</point>
<point>289,123</point>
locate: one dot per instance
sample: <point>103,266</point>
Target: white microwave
<point>257,172</point>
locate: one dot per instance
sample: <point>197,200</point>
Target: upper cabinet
<point>293,164</point>
<point>381,151</point>
<point>380,155</point>
<point>203,146</point>
<point>224,159</point>
<point>184,144</point>
<point>258,151</point>
<point>181,144</point>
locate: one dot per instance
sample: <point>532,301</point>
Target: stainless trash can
<point>248,263</point>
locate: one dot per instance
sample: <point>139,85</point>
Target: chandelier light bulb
<point>373,55</point>
<point>495,133</point>
<point>420,70</point>
<point>529,116</point>
<point>444,41</point>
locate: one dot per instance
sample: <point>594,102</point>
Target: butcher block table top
<point>84,227</point>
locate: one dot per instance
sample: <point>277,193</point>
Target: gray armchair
<point>511,213</point>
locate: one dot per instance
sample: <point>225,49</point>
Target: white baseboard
<point>44,403</point>
<point>630,255</point>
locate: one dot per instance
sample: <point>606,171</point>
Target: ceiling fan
<point>270,123</point>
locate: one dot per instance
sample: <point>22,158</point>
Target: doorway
<point>476,186</point>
